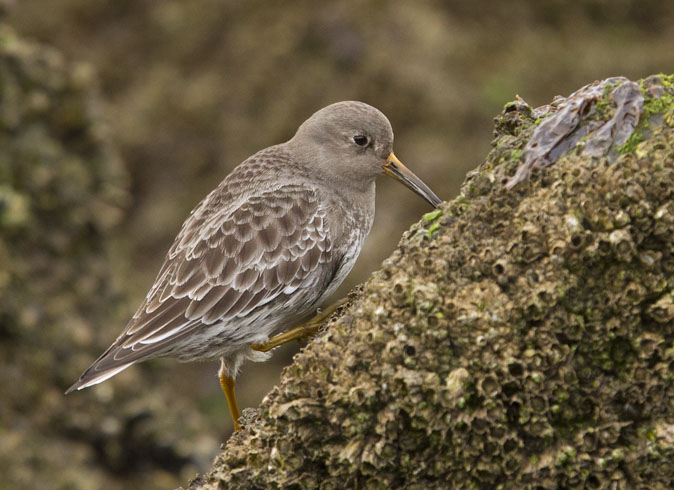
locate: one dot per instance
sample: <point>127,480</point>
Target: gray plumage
<point>262,251</point>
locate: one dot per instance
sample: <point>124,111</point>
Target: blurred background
<point>186,91</point>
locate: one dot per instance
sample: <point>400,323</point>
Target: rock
<point>522,338</point>
<point>62,191</point>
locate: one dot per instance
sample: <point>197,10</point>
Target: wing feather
<point>223,265</point>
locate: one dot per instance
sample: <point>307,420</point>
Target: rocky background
<point>118,116</point>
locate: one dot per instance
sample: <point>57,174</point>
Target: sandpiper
<point>265,248</point>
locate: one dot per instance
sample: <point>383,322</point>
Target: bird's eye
<point>361,140</point>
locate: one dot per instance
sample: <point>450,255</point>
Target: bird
<point>265,249</point>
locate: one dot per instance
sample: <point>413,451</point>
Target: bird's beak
<point>394,168</point>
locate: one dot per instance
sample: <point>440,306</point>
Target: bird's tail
<point>95,374</point>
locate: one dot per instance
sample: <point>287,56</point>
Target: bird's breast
<point>349,224</point>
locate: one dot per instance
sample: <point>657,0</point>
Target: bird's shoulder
<point>237,251</point>
<point>256,204</point>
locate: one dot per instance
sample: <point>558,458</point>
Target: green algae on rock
<point>528,342</point>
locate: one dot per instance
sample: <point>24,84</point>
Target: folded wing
<point>226,264</point>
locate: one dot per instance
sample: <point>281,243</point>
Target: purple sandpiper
<point>265,249</point>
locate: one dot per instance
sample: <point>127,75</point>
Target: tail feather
<point>92,377</point>
<point>122,354</point>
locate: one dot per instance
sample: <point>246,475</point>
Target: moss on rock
<point>520,338</point>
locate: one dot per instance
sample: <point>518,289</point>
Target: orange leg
<point>227,384</point>
<point>305,330</point>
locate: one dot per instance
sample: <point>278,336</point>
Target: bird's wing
<point>223,265</point>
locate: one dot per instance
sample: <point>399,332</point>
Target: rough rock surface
<point>518,338</point>
<point>62,190</point>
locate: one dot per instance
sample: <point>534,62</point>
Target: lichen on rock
<point>519,338</point>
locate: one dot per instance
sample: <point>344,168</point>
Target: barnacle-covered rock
<point>518,338</point>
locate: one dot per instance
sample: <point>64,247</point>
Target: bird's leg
<point>227,384</point>
<point>305,330</point>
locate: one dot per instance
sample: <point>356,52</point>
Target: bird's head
<point>352,141</point>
